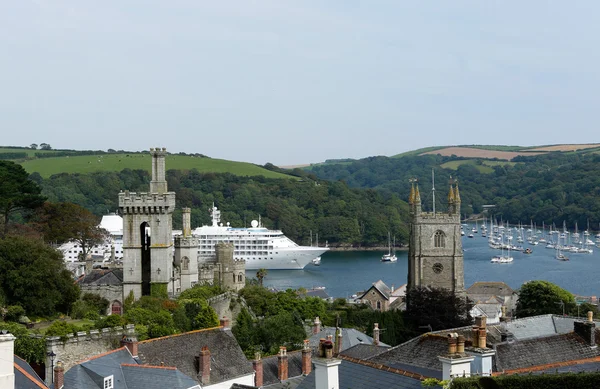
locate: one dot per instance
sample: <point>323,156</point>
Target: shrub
<point>14,313</point>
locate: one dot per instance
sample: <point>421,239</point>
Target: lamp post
<point>52,355</point>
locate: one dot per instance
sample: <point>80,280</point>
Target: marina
<point>344,273</point>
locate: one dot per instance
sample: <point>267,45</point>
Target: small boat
<point>501,259</point>
<point>527,251</point>
<point>471,235</point>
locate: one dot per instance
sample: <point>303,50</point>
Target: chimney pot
<point>204,365</point>
<point>482,343</point>
<point>376,334</point>
<point>306,359</point>
<point>282,360</point>
<point>257,365</point>
<point>452,343</point>
<point>59,375</point>
<point>590,316</point>
<point>224,322</point>
<point>316,325</point>
<point>460,348</point>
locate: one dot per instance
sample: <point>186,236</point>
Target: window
<point>378,304</point>
<point>108,382</point>
<point>240,278</point>
<point>186,263</point>
<point>439,239</point>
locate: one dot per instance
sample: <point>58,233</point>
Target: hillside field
<point>485,167</point>
<point>46,167</point>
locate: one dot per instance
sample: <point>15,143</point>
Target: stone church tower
<point>186,253</point>
<point>435,254</point>
<point>147,240</point>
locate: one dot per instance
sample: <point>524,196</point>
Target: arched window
<point>379,305</point>
<point>439,239</point>
<point>240,278</point>
<point>115,308</point>
<point>186,263</point>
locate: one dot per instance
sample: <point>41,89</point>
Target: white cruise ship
<point>260,247</point>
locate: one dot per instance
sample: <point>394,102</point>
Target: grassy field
<point>486,167</point>
<point>418,151</point>
<point>30,152</point>
<point>43,326</point>
<point>117,162</point>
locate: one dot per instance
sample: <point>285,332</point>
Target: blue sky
<point>292,82</point>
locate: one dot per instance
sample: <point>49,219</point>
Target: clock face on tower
<point>437,268</point>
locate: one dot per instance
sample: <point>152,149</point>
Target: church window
<point>239,278</point>
<point>186,263</point>
<point>439,239</point>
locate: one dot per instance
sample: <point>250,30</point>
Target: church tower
<point>147,230</point>
<point>435,255</point>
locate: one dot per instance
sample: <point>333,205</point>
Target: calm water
<point>345,273</point>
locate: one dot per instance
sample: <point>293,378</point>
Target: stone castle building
<point>155,262</point>
<point>435,254</point>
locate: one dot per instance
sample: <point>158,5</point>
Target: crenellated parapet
<point>146,203</point>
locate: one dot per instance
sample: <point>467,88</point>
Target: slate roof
<point>102,277</point>
<point>350,338</point>
<point>364,351</point>
<point>416,354</point>
<point>542,351</point>
<point>126,372</point>
<point>320,293</point>
<point>270,367</point>
<point>227,359</point>
<point>358,376</point>
<point>490,288</point>
<point>291,383</point>
<point>26,377</point>
<point>382,288</point>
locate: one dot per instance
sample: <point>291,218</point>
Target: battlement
<point>185,241</point>
<point>144,202</point>
<point>437,217</point>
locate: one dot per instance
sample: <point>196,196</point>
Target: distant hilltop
<point>495,152</point>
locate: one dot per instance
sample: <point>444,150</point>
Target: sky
<point>294,82</point>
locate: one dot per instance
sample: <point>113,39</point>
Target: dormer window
<point>108,382</point>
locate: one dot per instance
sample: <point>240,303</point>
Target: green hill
<point>99,161</point>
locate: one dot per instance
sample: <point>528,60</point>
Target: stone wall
<point>110,292</point>
<point>227,305</point>
<point>76,348</point>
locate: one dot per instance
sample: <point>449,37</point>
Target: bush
<point>14,313</point>
<point>98,303</point>
<point>110,322</point>
<point>61,328</point>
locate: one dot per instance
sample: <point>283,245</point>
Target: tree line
<point>551,188</point>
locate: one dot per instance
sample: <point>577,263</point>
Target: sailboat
<point>391,255</point>
<point>560,256</point>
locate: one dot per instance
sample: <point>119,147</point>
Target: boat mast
<point>433,188</point>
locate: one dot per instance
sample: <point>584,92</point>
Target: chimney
<point>480,321</point>
<point>587,330</point>
<point>316,326</point>
<point>187,224</point>
<point>503,316</point>
<point>328,347</point>
<point>475,335</point>
<point>460,346</point>
<point>282,364</point>
<point>257,365</point>
<point>376,334</point>
<point>225,323</point>
<point>59,375</point>
<point>306,359</point>
<point>204,365</point>
<point>338,342</point>
<point>89,265</point>
<point>7,358</point>
<point>131,343</point>
<point>326,373</point>
<point>452,343</point>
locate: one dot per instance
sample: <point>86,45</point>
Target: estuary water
<point>344,273</point>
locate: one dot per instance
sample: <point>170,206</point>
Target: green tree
<point>260,275</point>
<point>33,275</point>
<point>17,191</point>
<point>543,297</point>
<point>438,308</point>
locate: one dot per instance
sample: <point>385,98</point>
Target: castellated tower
<point>147,241</point>
<point>231,273</point>
<point>435,255</point>
<point>186,253</point>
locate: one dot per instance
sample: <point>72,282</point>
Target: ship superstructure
<point>260,247</point>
